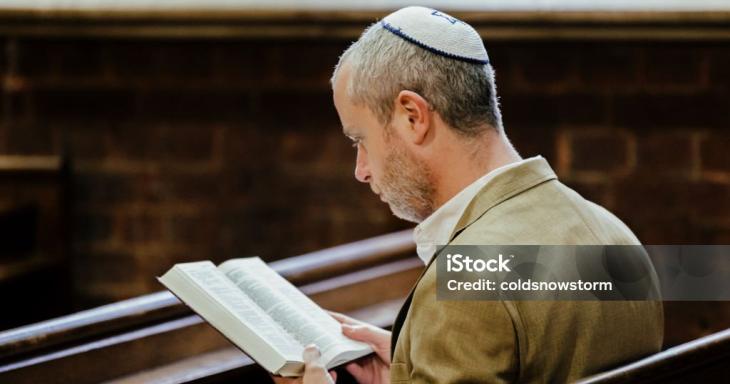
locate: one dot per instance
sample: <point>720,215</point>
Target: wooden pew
<point>155,332</point>
<point>705,360</point>
<point>155,339</point>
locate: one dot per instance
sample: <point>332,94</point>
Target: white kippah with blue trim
<point>437,32</point>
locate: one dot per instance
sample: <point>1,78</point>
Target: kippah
<point>437,32</point>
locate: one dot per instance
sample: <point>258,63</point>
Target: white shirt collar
<point>436,229</point>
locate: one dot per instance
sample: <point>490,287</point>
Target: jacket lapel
<point>403,312</point>
<point>502,187</point>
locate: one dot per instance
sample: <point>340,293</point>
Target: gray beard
<point>407,186</point>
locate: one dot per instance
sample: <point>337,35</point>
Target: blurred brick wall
<point>212,149</point>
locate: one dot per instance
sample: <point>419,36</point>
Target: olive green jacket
<point>523,341</point>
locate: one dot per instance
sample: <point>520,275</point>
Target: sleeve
<point>461,341</point>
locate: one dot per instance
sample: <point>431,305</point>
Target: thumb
<point>314,371</point>
<point>311,354</point>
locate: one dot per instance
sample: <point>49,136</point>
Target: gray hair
<point>382,64</point>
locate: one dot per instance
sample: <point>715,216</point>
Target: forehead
<point>357,119</point>
<point>345,108</point>
<point>341,80</point>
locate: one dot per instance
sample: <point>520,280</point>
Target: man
<point>416,95</point>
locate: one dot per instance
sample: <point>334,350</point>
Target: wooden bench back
<point>156,330</point>
<point>704,360</point>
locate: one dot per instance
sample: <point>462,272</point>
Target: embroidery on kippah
<point>448,18</point>
<point>398,32</point>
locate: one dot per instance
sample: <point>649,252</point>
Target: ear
<point>417,111</point>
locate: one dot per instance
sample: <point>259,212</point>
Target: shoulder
<point>549,213</point>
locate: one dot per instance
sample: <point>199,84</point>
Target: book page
<point>294,311</point>
<point>215,284</point>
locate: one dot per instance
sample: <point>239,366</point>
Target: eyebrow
<point>348,131</point>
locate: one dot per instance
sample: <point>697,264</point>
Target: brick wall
<point>638,128</point>
<point>211,149</point>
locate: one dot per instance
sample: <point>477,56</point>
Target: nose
<point>362,171</point>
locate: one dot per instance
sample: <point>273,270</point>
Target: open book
<point>261,313</point>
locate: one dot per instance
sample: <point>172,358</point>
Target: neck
<point>455,172</point>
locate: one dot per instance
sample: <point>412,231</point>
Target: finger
<point>360,333</point>
<point>333,313</point>
<point>355,332</point>
<point>343,319</point>
<point>365,331</point>
<point>357,371</point>
<point>378,339</point>
<point>311,354</point>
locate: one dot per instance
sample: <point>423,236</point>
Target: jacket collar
<point>502,187</point>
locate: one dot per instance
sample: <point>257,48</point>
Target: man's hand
<point>373,369</point>
<point>314,371</point>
